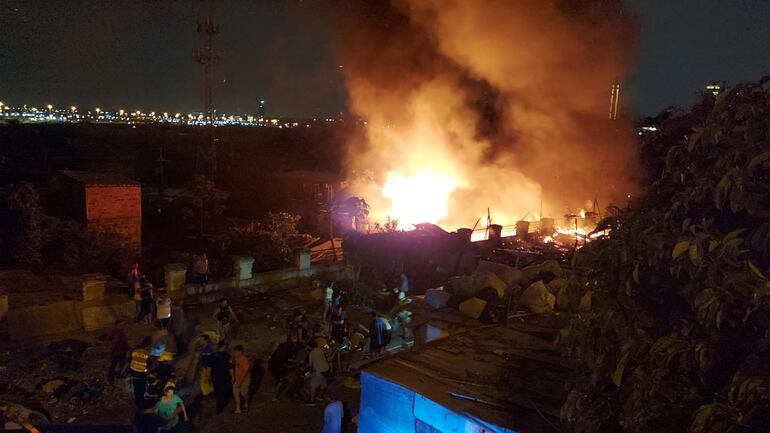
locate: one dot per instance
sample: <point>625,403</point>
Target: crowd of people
<point>302,366</point>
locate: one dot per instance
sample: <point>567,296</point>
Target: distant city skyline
<point>139,55</point>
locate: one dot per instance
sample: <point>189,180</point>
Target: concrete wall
<point>272,280</point>
<point>97,310</point>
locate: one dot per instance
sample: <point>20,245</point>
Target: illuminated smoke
<point>502,104</point>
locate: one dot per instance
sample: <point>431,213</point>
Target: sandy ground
<point>25,366</point>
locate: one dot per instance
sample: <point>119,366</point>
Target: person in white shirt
<point>333,414</point>
<point>319,370</point>
<point>328,295</point>
<point>163,309</point>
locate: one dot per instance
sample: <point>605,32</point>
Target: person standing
<point>138,368</point>
<point>333,414</point>
<point>219,362</point>
<point>168,409</point>
<point>177,326</point>
<point>163,309</point>
<point>328,295</point>
<point>201,268</point>
<point>280,362</point>
<point>241,373</point>
<point>319,367</point>
<point>403,288</point>
<point>146,301</point>
<point>339,325</point>
<point>226,318</point>
<point>118,349</point>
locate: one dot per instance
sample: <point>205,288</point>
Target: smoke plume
<point>502,104</point>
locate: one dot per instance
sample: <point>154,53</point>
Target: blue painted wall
<point>387,407</point>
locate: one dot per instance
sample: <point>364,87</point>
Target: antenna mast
<point>208,57</point>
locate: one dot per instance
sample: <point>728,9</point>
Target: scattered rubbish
<point>537,298</point>
<point>437,298</point>
<point>52,385</point>
<point>473,307</point>
<point>68,353</point>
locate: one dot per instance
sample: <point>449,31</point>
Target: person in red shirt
<point>241,372</point>
<point>118,349</point>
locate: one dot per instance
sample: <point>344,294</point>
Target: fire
<point>423,197</point>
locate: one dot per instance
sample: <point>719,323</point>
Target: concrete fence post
<point>303,260</point>
<point>242,267</point>
<point>175,275</point>
<point>92,287</point>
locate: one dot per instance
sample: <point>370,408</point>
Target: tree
<point>271,240</point>
<point>25,228</point>
<point>201,201</point>
<point>677,339</point>
<point>32,238</point>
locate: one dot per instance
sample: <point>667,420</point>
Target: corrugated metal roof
<point>501,375</point>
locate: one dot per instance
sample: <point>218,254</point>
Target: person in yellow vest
<point>138,367</point>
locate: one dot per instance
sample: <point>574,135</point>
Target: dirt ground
<point>26,366</point>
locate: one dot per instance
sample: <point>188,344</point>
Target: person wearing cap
<point>168,409</point>
<point>138,368</point>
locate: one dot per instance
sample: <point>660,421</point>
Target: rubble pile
<point>63,384</point>
<point>493,287</point>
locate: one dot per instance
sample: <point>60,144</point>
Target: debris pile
<point>488,293</point>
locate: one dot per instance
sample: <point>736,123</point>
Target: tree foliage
<point>31,238</point>
<point>271,240</point>
<point>677,340</point>
<point>200,202</point>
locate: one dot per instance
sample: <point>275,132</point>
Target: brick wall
<point>107,202</point>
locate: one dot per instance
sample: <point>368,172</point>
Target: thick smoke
<point>508,98</point>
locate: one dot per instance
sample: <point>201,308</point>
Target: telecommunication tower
<point>208,57</point>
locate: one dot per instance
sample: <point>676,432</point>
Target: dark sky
<point>136,54</point>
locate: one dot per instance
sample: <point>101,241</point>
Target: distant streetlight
<point>165,114</point>
<point>73,108</point>
<point>98,110</point>
<point>49,107</point>
<point>122,112</point>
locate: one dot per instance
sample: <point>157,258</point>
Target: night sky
<point>136,54</point>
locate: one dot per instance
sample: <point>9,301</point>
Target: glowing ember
<point>418,199</point>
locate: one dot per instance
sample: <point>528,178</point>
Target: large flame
<point>421,198</point>
<point>483,105</point>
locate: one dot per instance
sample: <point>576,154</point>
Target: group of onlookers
<point>302,361</point>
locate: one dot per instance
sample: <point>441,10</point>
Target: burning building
<point>473,105</point>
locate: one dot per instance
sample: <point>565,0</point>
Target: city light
<point>27,113</point>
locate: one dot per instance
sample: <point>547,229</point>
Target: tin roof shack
<point>428,255</point>
<point>486,380</point>
<point>105,202</point>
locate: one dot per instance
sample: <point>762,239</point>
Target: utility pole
<point>208,57</point>
<point>161,173</point>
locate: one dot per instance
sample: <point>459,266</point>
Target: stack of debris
<point>487,294</point>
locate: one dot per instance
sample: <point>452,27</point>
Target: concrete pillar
<point>242,266</point>
<point>3,303</point>
<point>92,287</point>
<point>175,275</point>
<point>303,260</point>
